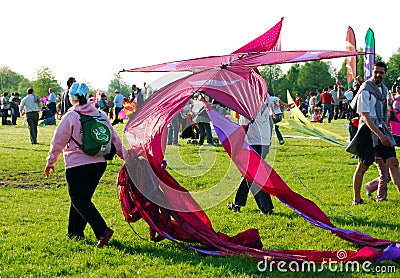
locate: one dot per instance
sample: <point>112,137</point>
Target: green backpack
<point>96,138</point>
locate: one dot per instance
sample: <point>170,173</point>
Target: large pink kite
<point>149,192</point>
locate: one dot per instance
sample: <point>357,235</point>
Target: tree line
<point>300,78</point>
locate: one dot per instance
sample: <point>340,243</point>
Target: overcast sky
<point>93,40</point>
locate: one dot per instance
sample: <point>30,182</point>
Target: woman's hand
<point>47,170</point>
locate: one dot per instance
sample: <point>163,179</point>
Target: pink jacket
<point>70,126</point>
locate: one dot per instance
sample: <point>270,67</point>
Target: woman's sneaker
<point>103,241</point>
<point>233,207</point>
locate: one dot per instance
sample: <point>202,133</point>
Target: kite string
<point>294,170</point>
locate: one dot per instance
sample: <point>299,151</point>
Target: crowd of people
<point>367,105</point>
<point>331,102</point>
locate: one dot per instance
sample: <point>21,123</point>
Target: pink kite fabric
<point>145,184</point>
<point>148,191</point>
<point>269,41</point>
<point>194,226</point>
<point>395,127</point>
<point>249,60</point>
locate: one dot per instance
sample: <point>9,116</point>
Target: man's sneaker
<point>103,241</point>
<point>269,212</point>
<point>361,202</point>
<point>281,142</point>
<point>233,207</point>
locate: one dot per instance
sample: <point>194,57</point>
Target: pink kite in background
<point>149,192</point>
<point>45,99</point>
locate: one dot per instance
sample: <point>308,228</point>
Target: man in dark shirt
<point>65,103</point>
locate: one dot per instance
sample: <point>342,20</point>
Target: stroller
<point>190,129</point>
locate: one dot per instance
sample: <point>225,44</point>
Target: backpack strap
<point>73,139</point>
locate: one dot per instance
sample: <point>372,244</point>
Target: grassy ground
<point>34,211</point>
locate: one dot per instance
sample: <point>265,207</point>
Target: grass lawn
<point>34,211</point>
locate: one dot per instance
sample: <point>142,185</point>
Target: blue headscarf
<point>78,89</point>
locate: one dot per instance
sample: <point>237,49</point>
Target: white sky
<point>93,40</point>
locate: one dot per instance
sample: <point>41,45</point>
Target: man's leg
<point>357,181</point>
<point>202,132</point>
<point>393,165</point>
<point>175,126</point>
<point>30,120</point>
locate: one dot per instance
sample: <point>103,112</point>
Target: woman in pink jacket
<point>83,171</point>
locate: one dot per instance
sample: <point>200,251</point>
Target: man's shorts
<point>367,153</point>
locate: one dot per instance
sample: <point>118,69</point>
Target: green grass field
<point>34,212</point>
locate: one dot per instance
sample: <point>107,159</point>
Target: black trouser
<point>262,199</point>
<point>15,115</point>
<point>116,120</point>
<point>52,106</point>
<point>4,117</point>
<point>82,182</point>
<point>32,118</point>
<point>205,130</point>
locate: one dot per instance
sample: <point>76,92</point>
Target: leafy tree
<point>280,88</point>
<point>342,73</point>
<point>118,84</point>
<point>9,80</point>
<point>292,75</point>
<point>271,73</point>
<point>393,71</point>
<point>23,85</point>
<point>360,64</point>
<point>313,75</point>
<point>45,80</point>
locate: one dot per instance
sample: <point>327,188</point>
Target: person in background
<point>318,99</point>
<point>83,172</point>
<point>173,131</point>
<point>137,95</point>
<point>103,103</point>
<point>31,106</point>
<point>51,103</point>
<point>184,115</point>
<point>203,121</point>
<point>327,102</point>
<point>47,117</point>
<point>333,90</point>
<point>373,139</point>
<point>396,101</point>
<point>15,102</point>
<point>311,103</point>
<point>258,136</point>
<point>277,116</point>
<point>5,106</point>
<point>65,103</point>
<point>118,106</point>
<point>298,101</point>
